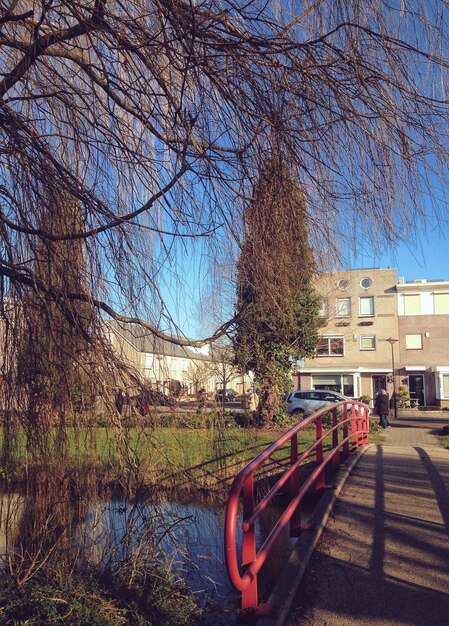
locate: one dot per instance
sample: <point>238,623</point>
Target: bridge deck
<point>383,558</point>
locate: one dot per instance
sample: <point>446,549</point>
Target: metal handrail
<point>355,427</point>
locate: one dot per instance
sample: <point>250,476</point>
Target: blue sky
<point>428,257</point>
<point>191,300</point>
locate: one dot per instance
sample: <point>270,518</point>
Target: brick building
<point>361,310</point>
<point>423,313</point>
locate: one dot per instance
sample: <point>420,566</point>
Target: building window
<point>367,342</point>
<point>149,361</point>
<point>324,308</point>
<point>441,303</point>
<point>412,304</point>
<point>343,307</point>
<point>335,382</point>
<point>446,385</point>
<point>343,284</point>
<point>330,383</point>
<point>367,306</point>
<point>413,342</point>
<point>330,346</point>
<point>348,386</point>
<point>366,283</point>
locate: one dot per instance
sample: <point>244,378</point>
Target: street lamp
<point>392,341</point>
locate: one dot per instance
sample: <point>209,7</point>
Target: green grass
<point>184,458</point>
<point>59,595</point>
<point>188,459</point>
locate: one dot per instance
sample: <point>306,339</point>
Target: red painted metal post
<point>366,422</point>
<point>345,433</point>
<point>295,522</point>
<point>319,482</point>
<point>353,427</point>
<point>249,595</point>
<point>355,430</point>
<point>336,458</point>
<point>294,478</point>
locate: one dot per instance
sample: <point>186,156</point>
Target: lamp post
<point>392,341</point>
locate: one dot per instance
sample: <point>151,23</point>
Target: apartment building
<point>359,312</point>
<point>362,310</point>
<point>423,314</point>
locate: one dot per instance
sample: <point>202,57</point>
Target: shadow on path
<point>383,558</point>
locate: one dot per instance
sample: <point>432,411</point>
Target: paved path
<point>383,558</point>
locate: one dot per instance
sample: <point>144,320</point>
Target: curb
<point>288,583</point>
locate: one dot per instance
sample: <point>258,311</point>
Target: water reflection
<point>187,535</point>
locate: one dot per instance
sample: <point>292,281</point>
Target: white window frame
<point>324,308</point>
<point>443,377</point>
<point>435,307</point>
<point>368,279</point>
<point>329,338</point>
<point>373,337</point>
<point>412,297</point>
<point>338,313</point>
<point>372,313</point>
<point>409,341</point>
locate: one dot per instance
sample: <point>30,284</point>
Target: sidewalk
<point>383,558</point>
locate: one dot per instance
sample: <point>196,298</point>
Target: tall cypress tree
<point>277,306</point>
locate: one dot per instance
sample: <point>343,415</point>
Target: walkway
<point>383,558</point>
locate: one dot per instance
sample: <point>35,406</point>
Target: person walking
<point>382,407</point>
<point>201,397</point>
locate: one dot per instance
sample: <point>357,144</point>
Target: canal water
<point>187,535</point>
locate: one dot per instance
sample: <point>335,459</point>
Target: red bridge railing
<point>349,430</point>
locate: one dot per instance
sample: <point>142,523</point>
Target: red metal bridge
<point>348,430</point>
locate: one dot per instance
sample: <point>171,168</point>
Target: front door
<point>416,388</point>
<point>379,382</point>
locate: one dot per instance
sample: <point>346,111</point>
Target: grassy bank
<point>56,594</point>
<point>186,459</point>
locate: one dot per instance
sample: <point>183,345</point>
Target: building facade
<point>423,313</point>
<point>377,331</point>
<point>359,314</point>
<point>161,363</point>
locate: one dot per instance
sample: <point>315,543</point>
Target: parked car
<point>307,401</point>
<point>224,395</point>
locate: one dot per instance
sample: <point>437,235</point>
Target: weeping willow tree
<point>277,307</point>
<point>154,117</point>
<point>55,336</point>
